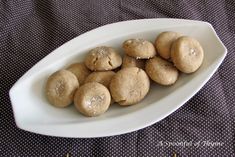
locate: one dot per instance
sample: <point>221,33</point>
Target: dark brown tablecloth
<point>29,30</point>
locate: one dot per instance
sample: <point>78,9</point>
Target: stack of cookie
<point>105,78</point>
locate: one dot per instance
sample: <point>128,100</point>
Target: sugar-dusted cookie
<point>139,48</point>
<point>187,54</point>
<point>103,58</point>
<point>60,88</point>
<point>92,99</point>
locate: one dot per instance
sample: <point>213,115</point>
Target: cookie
<point>187,54</point>
<point>139,48</point>
<point>132,62</point>
<point>60,88</point>
<point>103,77</point>
<point>92,99</point>
<point>164,42</point>
<point>129,86</point>
<point>80,71</point>
<point>103,58</point>
<point>161,71</point>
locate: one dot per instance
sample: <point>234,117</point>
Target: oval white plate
<point>33,112</point>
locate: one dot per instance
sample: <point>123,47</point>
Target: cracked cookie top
<point>139,48</point>
<point>103,58</point>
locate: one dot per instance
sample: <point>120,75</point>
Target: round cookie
<point>60,88</point>
<point>139,48</point>
<point>103,58</point>
<point>187,54</point>
<point>129,86</point>
<point>103,77</point>
<point>164,42</point>
<point>80,71</point>
<point>132,62</point>
<point>161,71</point>
<point>92,99</point>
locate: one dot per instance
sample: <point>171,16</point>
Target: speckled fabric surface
<point>29,30</point>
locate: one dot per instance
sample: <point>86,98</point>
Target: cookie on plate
<point>132,62</point>
<point>139,48</point>
<point>129,86</point>
<point>103,77</point>
<point>103,58</point>
<point>187,54</point>
<point>161,71</point>
<point>92,99</point>
<point>164,42</point>
<point>80,71</point>
<point>60,88</point>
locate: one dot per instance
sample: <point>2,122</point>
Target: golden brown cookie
<point>103,77</point>
<point>92,99</point>
<point>129,86</point>
<point>163,43</point>
<point>80,71</point>
<point>161,71</point>
<point>187,54</point>
<point>60,88</point>
<point>103,58</point>
<point>132,62</point>
<point>139,48</point>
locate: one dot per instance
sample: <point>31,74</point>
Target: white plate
<point>33,112</point>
